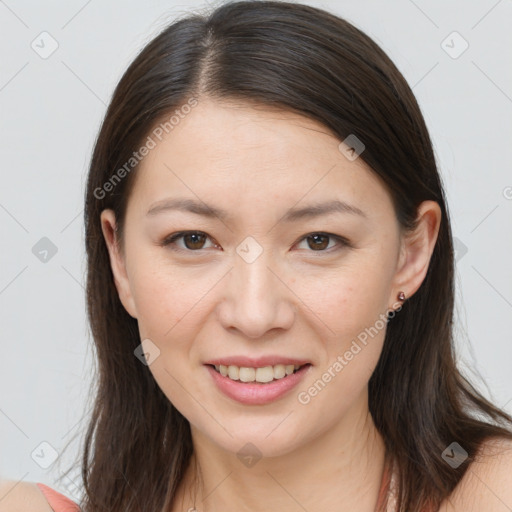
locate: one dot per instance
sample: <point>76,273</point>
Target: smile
<point>261,375</point>
<point>246,389</point>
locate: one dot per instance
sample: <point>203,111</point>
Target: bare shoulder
<point>487,483</point>
<point>18,496</point>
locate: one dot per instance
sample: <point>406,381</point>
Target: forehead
<point>236,153</point>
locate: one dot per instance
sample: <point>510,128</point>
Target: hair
<point>304,60</point>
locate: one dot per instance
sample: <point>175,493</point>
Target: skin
<point>292,300</point>
<point>325,455</point>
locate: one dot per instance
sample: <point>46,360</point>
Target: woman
<point>270,283</point>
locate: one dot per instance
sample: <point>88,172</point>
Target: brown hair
<point>308,61</point>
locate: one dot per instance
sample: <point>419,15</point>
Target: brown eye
<point>192,241</point>
<point>318,241</point>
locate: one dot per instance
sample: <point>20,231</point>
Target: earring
<point>391,312</point>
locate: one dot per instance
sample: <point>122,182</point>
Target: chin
<point>233,436</point>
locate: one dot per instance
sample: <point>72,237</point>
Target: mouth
<point>257,385</point>
<point>258,375</point>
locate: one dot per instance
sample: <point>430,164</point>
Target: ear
<point>416,250</point>
<point>117,261</point>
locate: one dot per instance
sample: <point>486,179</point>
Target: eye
<point>319,242</point>
<point>193,240</point>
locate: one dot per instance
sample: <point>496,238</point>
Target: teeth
<point>233,373</point>
<point>265,374</point>
<point>247,374</point>
<point>289,369</point>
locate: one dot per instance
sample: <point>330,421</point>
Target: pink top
<point>57,501</point>
<point>60,503</point>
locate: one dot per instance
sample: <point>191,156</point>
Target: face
<point>262,275</point>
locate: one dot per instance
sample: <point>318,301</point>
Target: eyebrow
<point>292,215</point>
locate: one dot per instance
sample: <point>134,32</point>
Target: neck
<point>341,469</point>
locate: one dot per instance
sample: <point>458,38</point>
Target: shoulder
<point>487,483</point>
<point>18,496</point>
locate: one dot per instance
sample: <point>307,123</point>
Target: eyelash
<point>171,239</point>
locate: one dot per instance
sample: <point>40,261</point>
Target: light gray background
<point>50,115</point>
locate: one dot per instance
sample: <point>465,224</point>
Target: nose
<point>257,299</point>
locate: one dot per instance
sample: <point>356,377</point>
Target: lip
<point>254,393</point>
<point>256,362</point>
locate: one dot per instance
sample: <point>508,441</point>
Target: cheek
<point>347,300</point>
<point>355,309</point>
<point>166,296</point>
<point>168,305</point>
<point>153,295</point>
<point>351,303</point>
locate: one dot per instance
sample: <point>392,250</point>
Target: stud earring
<point>392,311</point>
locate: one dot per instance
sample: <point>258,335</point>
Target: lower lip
<point>253,393</point>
